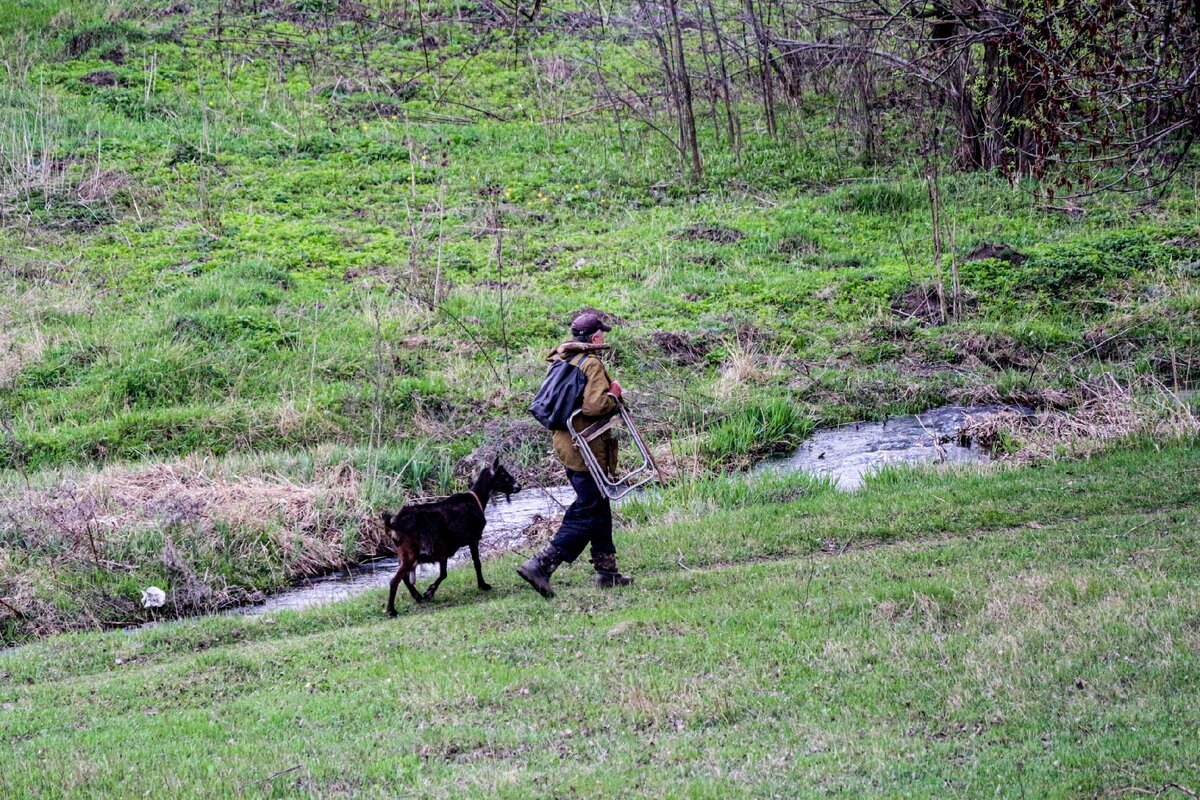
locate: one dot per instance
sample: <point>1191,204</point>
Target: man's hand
<point>614,389</point>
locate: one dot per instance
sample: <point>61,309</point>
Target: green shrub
<point>163,378</point>
<point>1064,269</point>
<point>60,366</point>
<point>757,429</point>
<point>883,199</point>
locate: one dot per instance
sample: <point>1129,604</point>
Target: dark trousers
<point>588,519</point>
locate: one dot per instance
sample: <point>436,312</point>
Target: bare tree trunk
<point>731,119</point>
<point>710,81</point>
<point>935,211</point>
<point>764,67</point>
<point>686,114</point>
<point>673,91</point>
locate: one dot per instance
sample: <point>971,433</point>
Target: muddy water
<point>506,522</point>
<point>848,453</point>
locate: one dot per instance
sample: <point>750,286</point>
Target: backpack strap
<point>578,359</point>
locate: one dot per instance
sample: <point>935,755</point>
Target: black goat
<point>431,533</point>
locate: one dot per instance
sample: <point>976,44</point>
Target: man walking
<point>589,518</point>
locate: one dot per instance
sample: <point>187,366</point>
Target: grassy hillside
<point>1024,634</point>
<point>221,233</point>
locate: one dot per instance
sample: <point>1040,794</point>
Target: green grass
<point>757,429</point>
<point>1024,633</point>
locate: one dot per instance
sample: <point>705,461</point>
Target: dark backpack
<point>561,394</point>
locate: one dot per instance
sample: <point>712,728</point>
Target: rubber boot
<point>537,570</point>
<point>607,575</point>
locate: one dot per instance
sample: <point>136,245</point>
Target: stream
<point>846,454</point>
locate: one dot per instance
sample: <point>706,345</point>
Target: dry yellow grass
<point>1104,411</point>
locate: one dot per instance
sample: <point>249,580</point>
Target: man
<point>589,518</point>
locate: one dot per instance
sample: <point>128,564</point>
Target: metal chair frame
<point>614,488</point>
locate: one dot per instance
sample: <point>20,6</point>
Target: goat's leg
<point>391,606</point>
<point>441,577</point>
<point>408,570</point>
<point>484,586</point>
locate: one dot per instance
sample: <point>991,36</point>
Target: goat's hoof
<point>427,596</point>
<point>391,612</point>
<point>485,587</point>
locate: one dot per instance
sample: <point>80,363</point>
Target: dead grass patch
<point>707,232</point>
<point>19,347</point>
<point>995,349</point>
<point>1023,595</point>
<point>101,521</point>
<point>746,365</point>
<point>541,529</point>
<point>1103,411</point>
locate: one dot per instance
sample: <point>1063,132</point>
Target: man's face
<point>598,337</point>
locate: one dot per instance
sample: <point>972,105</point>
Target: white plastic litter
<point>153,597</point>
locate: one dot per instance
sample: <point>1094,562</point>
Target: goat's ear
<point>387,519</point>
<point>496,463</point>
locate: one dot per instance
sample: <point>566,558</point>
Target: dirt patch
<point>101,77</point>
<point>83,41</point>
<point>707,232</point>
<point>682,349</point>
<point>996,350</point>
<point>1113,339</point>
<point>998,251</point>
<point>920,303</point>
<point>798,245</point>
<point>174,10</point>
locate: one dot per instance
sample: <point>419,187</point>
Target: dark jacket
<point>597,404</point>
